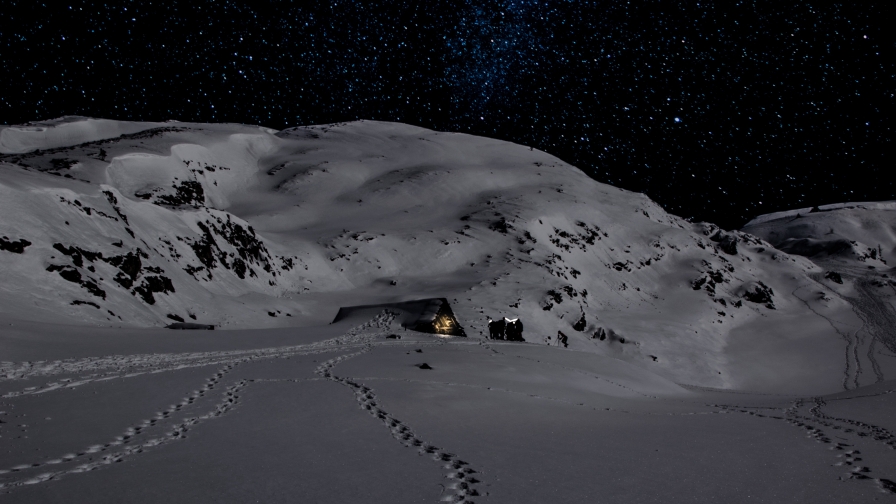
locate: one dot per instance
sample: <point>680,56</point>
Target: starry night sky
<point>718,111</point>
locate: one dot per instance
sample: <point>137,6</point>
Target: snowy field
<point>340,413</point>
<point>703,365</point>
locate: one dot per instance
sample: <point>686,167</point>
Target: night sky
<point>718,111</point>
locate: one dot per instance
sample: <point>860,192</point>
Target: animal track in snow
<point>812,422</point>
<point>136,438</point>
<point>463,483</point>
<point>878,318</point>
<point>852,364</point>
<point>94,369</point>
<point>127,444</point>
<point>859,428</point>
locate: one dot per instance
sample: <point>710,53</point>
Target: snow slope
<point>244,227</point>
<point>853,246</point>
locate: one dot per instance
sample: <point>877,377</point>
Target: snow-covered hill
<point>854,248</point>
<point>138,224</point>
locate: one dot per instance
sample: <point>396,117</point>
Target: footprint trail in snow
<point>163,428</point>
<point>463,482</point>
<point>808,415</point>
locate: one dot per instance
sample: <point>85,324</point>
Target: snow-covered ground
<point>703,365</point>
<point>342,413</point>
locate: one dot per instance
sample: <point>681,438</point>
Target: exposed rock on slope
<point>240,226</point>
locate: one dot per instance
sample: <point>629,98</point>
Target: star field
<point>718,111</point>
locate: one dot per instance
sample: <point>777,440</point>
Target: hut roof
<point>433,315</point>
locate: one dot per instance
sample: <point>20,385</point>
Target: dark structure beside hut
<point>190,326</point>
<point>432,315</point>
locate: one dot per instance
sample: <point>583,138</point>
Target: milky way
<point>717,110</point>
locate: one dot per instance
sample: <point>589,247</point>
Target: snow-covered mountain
<point>854,248</point>
<point>138,224</point>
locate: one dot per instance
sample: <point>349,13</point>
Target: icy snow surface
<point>703,365</point>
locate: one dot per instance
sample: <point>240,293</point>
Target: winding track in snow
<point>136,439</point>
<point>878,322</point>
<point>853,366</point>
<point>879,319</point>
<point>807,415</point>
<point>463,483</point>
<point>131,442</point>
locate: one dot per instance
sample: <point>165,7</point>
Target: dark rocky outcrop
<point>14,246</point>
<point>130,265</point>
<point>88,303</point>
<point>501,226</point>
<point>153,284</point>
<point>187,193</point>
<point>250,250</point>
<point>834,277</point>
<point>78,254</point>
<point>760,293</point>
<point>727,241</point>
<point>623,266</point>
<point>62,163</point>
<point>73,275</point>
<point>113,201</point>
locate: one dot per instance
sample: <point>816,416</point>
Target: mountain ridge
<point>241,226</point>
